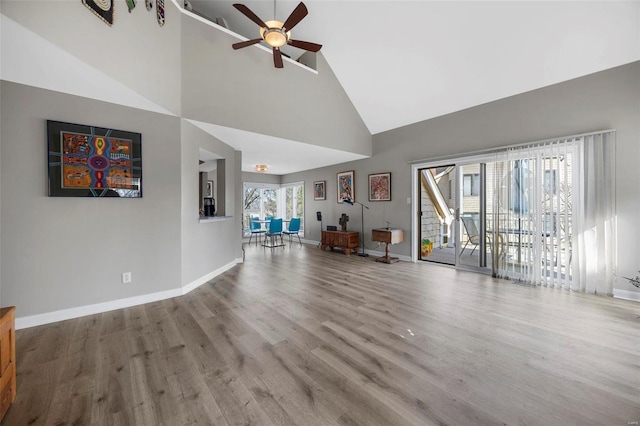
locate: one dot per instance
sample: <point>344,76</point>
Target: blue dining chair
<point>293,229</point>
<point>275,230</point>
<point>256,229</point>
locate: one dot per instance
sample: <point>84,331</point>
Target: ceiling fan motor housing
<point>274,35</point>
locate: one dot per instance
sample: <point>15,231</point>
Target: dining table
<point>273,242</point>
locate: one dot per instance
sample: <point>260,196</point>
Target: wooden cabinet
<point>346,240</point>
<point>7,359</point>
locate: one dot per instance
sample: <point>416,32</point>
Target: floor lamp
<point>351,202</point>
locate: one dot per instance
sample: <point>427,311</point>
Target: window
<point>550,181</point>
<point>471,185</point>
<point>262,200</point>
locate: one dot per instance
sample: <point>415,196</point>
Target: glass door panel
<point>437,219</point>
<point>473,198</point>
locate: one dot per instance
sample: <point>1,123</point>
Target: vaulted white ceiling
<point>402,62</point>
<point>399,62</point>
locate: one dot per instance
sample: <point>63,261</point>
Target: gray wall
<point>242,89</point>
<point>60,252</point>
<point>206,246</point>
<point>116,50</point>
<point>608,99</point>
<point>261,178</point>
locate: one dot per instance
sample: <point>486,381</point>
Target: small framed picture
<point>346,187</point>
<point>319,190</point>
<point>209,189</point>
<point>380,187</point>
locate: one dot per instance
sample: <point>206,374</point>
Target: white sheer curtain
<point>553,218</point>
<point>594,242</point>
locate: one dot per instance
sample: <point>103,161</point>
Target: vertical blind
<point>552,221</point>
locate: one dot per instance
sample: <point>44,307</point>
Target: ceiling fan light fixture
<point>274,35</point>
<point>262,168</point>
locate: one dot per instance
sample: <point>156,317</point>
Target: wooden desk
<point>387,236</point>
<point>346,240</point>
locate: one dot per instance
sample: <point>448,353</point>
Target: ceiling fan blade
<point>296,16</point>
<point>306,45</point>
<point>249,14</point>
<point>242,44</point>
<point>277,58</point>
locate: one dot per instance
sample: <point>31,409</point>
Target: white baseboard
<point>369,252</point>
<point>626,294</point>
<point>81,311</point>
<point>211,275</point>
<point>381,254</point>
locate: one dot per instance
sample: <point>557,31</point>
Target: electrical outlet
<point>126,277</point>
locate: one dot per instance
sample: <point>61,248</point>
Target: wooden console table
<point>7,359</point>
<point>388,236</point>
<point>346,240</point>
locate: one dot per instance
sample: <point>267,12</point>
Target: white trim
<point>627,295</point>
<point>291,184</point>
<point>415,210</point>
<point>369,252</point>
<point>206,278</point>
<point>97,308</point>
<point>81,311</point>
<point>236,35</point>
<point>214,218</point>
<point>381,254</point>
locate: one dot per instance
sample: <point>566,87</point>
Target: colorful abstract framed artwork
<point>103,9</point>
<point>319,190</point>
<point>380,187</point>
<point>346,187</point>
<point>89,161</point>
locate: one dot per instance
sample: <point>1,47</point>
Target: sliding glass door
<point>455,207</point>
<point>541,213</point>
<point>533,212</point>
<point>453,215</point>
<point>471,216</point>
<point>437,207</point>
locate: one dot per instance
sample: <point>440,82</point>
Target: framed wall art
<point>319,190</point>
<point>209,189</point>
<point>346,186</point>
<point>380,187</point>
<point>102,8</point>
<point>89,161</point>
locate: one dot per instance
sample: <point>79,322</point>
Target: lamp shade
<point>274,35</point>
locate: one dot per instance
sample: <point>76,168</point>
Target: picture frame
<point>319,190</point>
<point>209,192</point>
<point>90,161</point>
<point>380,187</point>
<point>103,9</point>
<point>346,186</point>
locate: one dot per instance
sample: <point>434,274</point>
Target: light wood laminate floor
<point>306,337</point>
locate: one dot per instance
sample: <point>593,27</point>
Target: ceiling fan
<point>275,33</point>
